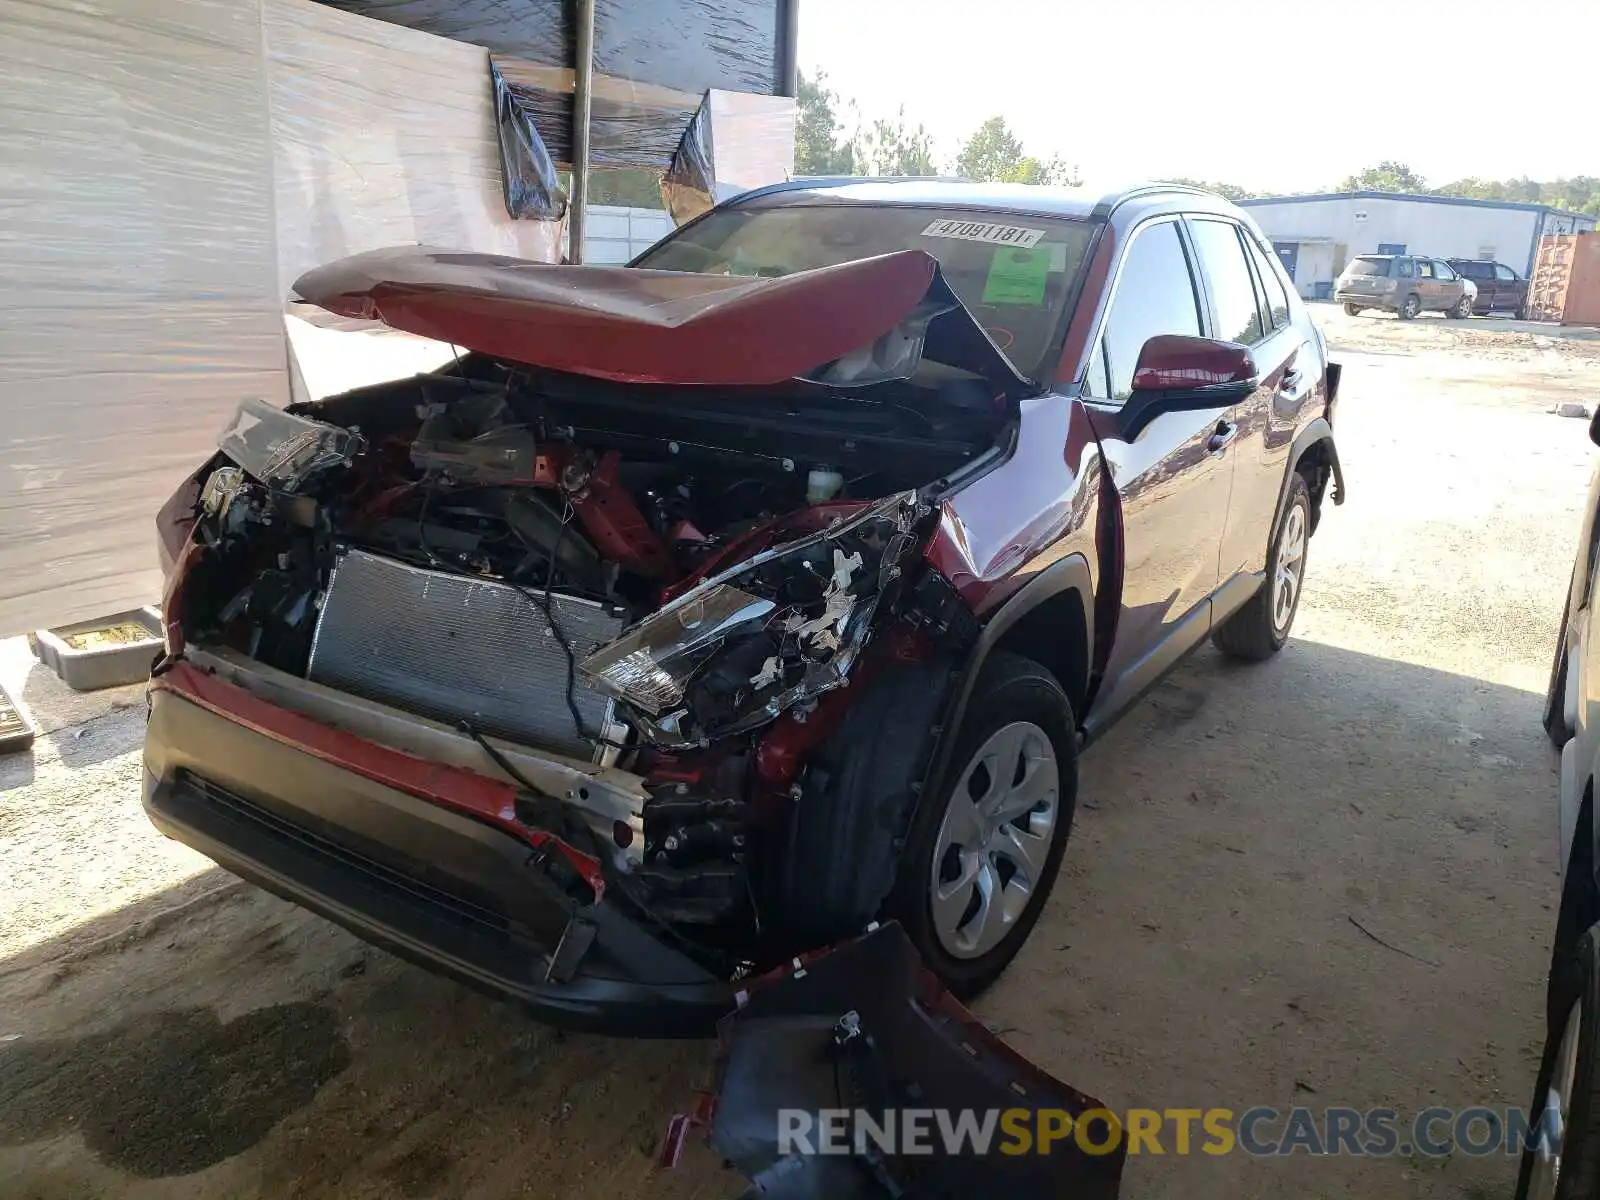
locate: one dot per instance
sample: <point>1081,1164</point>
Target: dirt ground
<point>1243,842</point>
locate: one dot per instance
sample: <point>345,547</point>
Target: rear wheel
<point>982,856</point>
<point>1258,630</point>
<point>1410,307</point>
<point>1352,310</point>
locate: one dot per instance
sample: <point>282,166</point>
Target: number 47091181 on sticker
<point>984,231</point>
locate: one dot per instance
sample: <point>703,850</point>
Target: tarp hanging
<point>734,142</point>
<point>527,172</point>
<point>631,124</point>
<point>689,187</point>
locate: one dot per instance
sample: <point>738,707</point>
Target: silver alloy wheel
<point>1464,307</point>
<point>989,858</point>
<point>1291,563</point>
<point>1413,306</point>
<point>1555,1110</point>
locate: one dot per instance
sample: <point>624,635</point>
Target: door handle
<point>1224,433</point>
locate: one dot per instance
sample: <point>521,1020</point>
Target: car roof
<point>1082,201</point>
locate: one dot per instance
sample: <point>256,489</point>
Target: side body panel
<point>1034,510</point>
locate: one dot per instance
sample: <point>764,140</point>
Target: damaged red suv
<point>704,611</point>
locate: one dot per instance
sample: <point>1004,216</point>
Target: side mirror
<point>1176,373</point>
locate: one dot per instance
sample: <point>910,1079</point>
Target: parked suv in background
<point>1404,284</point>
<point>1500,289</point>
<point>535,668</point>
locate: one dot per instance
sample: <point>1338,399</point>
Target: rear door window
<point>1233,295</point>
<point>1424,268</point>
<point>1370,266</point>
<point>1155,294</point>
<point>1277,296</point>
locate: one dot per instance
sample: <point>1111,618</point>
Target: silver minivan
<point>1404,284</point>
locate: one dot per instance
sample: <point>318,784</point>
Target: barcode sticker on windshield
<point>983,231</point>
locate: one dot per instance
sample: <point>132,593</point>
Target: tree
<point>818,149</point>
<point>1228,191</point>
<point>894,148</point>
<point>992,153</point>
<point>1387,176</point>
<point>1056,172</point>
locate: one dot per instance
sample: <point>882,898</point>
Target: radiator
<point>456,648</point>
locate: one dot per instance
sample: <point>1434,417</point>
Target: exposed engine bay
<point>643,577</point>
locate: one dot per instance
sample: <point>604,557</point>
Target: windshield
<point>1370,266</point>
<point>1013,271</point>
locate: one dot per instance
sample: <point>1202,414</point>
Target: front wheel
<point>1563,1161</point>
<point>1462,309</point>
<point>1352,310</point>
<point>981,856</point>
<point>1410,307</point>
<point>1258,630</point>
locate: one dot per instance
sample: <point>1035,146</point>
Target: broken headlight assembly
<point>285,451</point>
<point>773,632</point>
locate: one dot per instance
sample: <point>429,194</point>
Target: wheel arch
<point>1314,457</point>
<point>1050,619</point>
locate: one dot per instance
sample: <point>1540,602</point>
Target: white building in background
<point>1315,235</point>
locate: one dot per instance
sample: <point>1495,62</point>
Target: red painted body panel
<point>627,324</point>
<point>1028,513</point>
<point>615,524</point>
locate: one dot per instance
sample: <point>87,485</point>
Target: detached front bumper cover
<point>866,1028</point>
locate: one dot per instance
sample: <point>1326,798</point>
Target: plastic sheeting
<point>689,186</point>
<point>690,45</point>
<point>528,174</point>
<point>139,304</point>
<point>166,169</point>
<point>734,142</point>
<point>383,136</point>
<point>631,124</point>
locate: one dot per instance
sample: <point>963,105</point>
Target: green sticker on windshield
<point>1017,276</point>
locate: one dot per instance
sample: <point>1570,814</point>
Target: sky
<point>1290,96</point>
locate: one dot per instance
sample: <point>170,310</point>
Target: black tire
<point>1578,986</point>
<point>1011,688</point>
<point>1409,307</point>
<point>1352,310</point>
<point>1461,310</point>
<point>1252,633</point>
<point>1555,695</point>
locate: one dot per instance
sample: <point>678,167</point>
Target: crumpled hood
<point>642,326</point>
